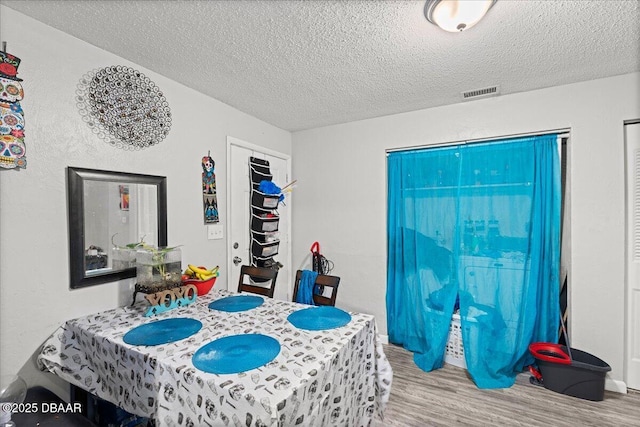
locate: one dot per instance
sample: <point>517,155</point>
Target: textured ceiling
<point>304,64</point>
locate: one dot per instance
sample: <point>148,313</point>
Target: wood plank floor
<point>448,397</point>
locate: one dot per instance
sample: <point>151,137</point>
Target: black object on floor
<point>579,375</point>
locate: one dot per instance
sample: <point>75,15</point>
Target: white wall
<point>340,198</point>
<point>34,276</point>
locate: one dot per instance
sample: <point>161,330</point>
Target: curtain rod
<point>564,132</point>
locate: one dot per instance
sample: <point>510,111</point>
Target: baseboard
<point>384,338</point>
<point>615,386</point>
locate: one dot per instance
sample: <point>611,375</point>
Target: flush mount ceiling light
<point>456,15</point>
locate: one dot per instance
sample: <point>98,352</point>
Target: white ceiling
<point>304,64</point>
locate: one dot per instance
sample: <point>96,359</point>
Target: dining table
<point>222,361</point>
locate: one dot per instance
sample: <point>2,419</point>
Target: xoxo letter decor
<point>171,298</point>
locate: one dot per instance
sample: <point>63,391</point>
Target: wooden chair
<point>256,277</point>
<point>324,280</point>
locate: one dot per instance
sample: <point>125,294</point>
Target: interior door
<point>239,212</point>
<point>632,136</point>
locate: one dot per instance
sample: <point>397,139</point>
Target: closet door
<point>632,135</point>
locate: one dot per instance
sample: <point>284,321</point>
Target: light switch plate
<point>215,231</point>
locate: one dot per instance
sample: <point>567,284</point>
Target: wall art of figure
<point>210,210</point>
<point>209,198</point>
<point>12,147</point>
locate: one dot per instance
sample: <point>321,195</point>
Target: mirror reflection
<point>116,217</point>
<point>110,213</point>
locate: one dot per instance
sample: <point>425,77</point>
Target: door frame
<point>631,309</point>
<point>231,141</point>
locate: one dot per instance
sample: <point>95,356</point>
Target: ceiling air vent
<point>481,93</point>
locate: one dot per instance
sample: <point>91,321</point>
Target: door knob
<point>237,260</point>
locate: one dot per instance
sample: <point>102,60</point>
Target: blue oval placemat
<point>162,331</point>
<point>237,303</point>
<point>319,318</point>
<point>236,353</point>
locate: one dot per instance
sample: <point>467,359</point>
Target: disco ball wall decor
<point>124,107</point>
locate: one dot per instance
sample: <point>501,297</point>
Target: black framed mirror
<point>107,211</point>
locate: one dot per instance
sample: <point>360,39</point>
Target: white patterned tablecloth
<point>337,377</point>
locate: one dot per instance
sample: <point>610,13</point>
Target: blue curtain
<point>476,228</point>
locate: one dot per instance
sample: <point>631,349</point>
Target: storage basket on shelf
<point>259,165</point>
<point>263,250</point>
<point>266,237</point>
<point>266,223</point>
<point>260,173</point>
<point>264,201</point>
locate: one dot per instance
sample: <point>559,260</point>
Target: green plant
<point>157,254</point>
<point>136,245</point>
<point>158,258</point>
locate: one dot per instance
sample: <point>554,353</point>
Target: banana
<point>205,277</point>
<point>196,269</point>
<point>203,273</point>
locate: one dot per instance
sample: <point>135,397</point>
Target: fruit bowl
<point>203,286</point>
